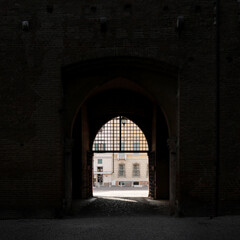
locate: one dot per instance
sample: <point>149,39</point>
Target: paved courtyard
<point>120,192</point>
<point>119,216</point>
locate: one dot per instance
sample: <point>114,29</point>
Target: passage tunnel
<point>143,91</point>
<point>97,111</point>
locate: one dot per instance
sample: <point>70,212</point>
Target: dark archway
<point>100,108</point>
<point>143,90</point>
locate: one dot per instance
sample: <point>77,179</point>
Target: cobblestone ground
<point>113,206</point>
<point>117,217</point>
<point>121,201</point>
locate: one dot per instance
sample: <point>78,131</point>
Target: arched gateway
<point>119,88</point>
<point>120,155</point>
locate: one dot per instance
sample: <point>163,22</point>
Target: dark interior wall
<point>153,79</point>
<point>197,110</point>
<point>162,158</point>
<point>229,135</point>
<point>77,158</point>
<point>119,102</point>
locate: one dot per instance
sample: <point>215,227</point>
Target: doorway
<point>97,91</point>
<point>120,160</point>
<point>133,107</point>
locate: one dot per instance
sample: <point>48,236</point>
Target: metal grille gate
<point>120,135</point>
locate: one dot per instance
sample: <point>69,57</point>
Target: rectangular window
<point>99,161</point>
<point>136,146</point>
<point>100,146</point>
<point>135,183</point>
<point>100,178</point>
<point>121,170</point>
<point>121,183</point>
<point>99,169</point>
<point>136,170</point>
<point>121,156</point>
<point>122,146</point>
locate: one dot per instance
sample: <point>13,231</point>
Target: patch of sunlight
<point>119,193</point>
<point>119,199</point>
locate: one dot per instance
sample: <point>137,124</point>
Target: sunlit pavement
<point>119,201</point>
<point>120,192</point>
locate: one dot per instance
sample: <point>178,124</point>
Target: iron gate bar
<point>120,151</point>
<point>120,135</point>
<point>120,130</point>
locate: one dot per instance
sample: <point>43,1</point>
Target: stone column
<point>85,149</point>
<point>152,174</point>
<point>68,173</point>
<point>90,173</point>
<point>172,145</point>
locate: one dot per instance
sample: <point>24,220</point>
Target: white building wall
<point>107,162</point>
<point>129,161</point>
<point>110,164</point>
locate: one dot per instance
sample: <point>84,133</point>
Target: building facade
<point>120,169</point>
<point>102,169</point>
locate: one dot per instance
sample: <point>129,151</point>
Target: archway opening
<point>143,90</point>
<point>145,113</point>
<point>120,160</point>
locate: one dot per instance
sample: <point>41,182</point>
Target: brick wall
<point>229,111</point>
<point>31,136</point>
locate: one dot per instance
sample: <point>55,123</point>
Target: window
<point>135,183</point>
<point>122,146</point>
<point>99,161</point>
<point>136,170</point>
<point>100,178</point>
<point>100,169</point>
<point>124,121</point>
<point>136,146</point>
<point>121,183</point>
<point>100,146</point>
<point>121,170</point>
<point>121,156</point>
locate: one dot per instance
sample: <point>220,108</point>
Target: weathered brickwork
<point>61,33</point>
<point>229,111</point>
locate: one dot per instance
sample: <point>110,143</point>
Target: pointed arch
<point>120,134</point>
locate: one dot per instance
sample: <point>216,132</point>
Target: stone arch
<point>140,89</point>
<point>86,78</point>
